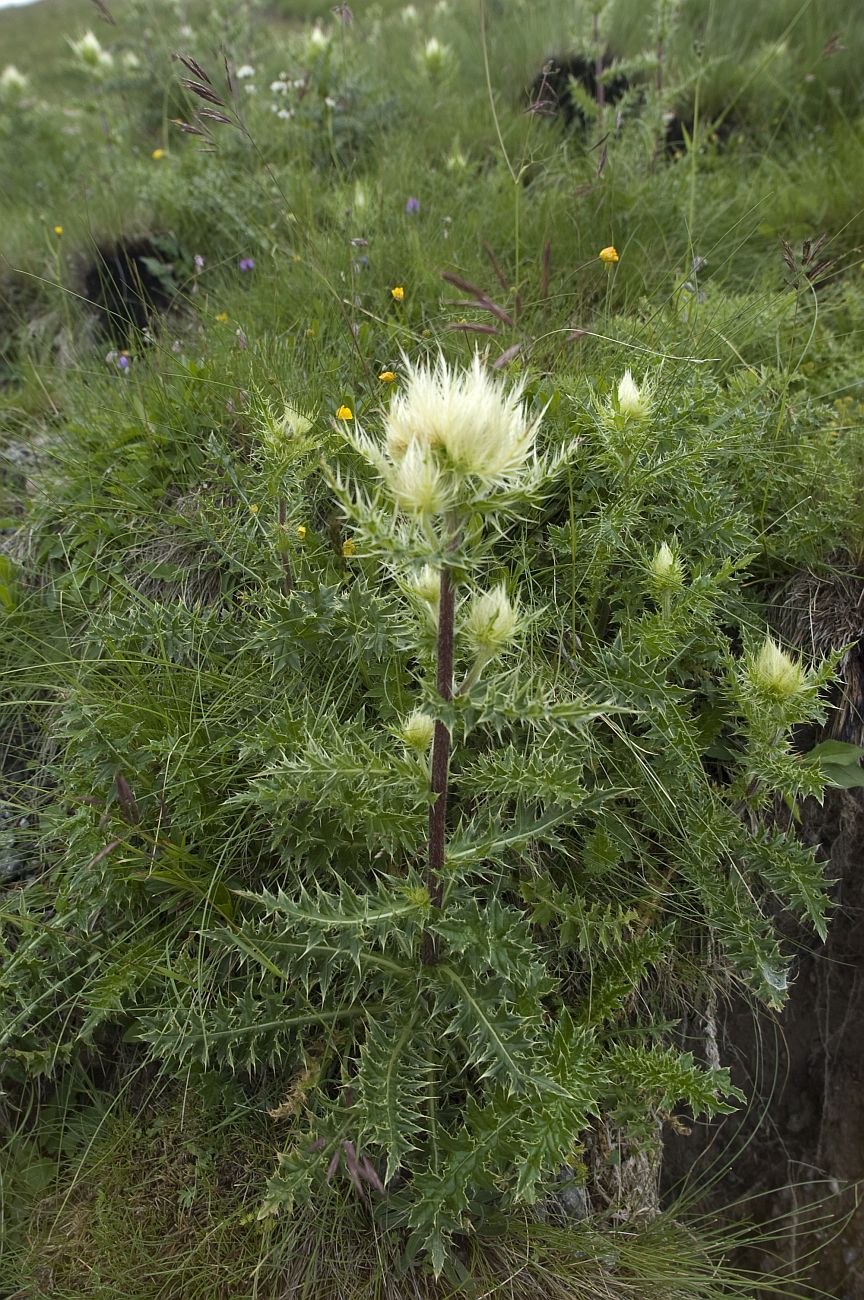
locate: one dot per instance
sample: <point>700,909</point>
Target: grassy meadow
<point>252,1045</point>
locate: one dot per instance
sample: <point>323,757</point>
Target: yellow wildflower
<point>397,293</point>
<point>253,509</point>
<point>344,413</point>
<point>348,548</point>
<point>301,531</point>
<point>222,316</point>
<point>608,255</point>
<point>158,153</point>
<point>387,376</point>
<point>58,230</point>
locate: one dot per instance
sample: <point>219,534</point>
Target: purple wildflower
<point>199,262</point>
<point>123,363</point>
<point>247,263</point>
<point>412,206</point>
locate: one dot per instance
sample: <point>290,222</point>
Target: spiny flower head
<point>633,402</point>
<point>426,584</point>
<point>418,484</point>
<point>665,569</point>
<point>491,622</point>
<point>12,82</point>
<point>775,673</point>
<point>469,419</point>
<point>90,52</point>
<point>434,56</point>
<point>418,731</point>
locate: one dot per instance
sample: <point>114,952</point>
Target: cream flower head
<point>12,82</point>
<point>418,731</point>
<point>775,673</point>
<point>633,402</point>
<point>418,484</point>
<point>492,622</point>
<point>478,426</point>
<point>665,567</point>
<point>89,50</point>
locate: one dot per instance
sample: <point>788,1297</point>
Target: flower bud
<point>492,622</point>
<point>417,483</point>
<point>418,731</point>
<point>666,569</point>
<point>90,52</point>
<point>633,402</point>
<point>434,57</point>
<point>775,673</point>
<point>427,585</point>
<point>12,82</point>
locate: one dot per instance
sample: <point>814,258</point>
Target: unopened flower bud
<point>418,731</point>
<point>427,585</point>
<point>665,568</point>
<point>492,622</point>
<point>12,82</point>
<point>633,402</point>
<point>775,673</point>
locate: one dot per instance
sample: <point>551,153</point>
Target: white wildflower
<point>633,402</point>
<point>479,426</point>
<point>775,673</point>
<point>130,61</point>
<point>88,49</point>
<point>492,622</point>
<point>12,82</point>
<point>279,87</point>
<point>435,56</point>
<point>418,484</point>
<point>318,38</point>
<point>427,585</point>
<point>418,731</point>
<point>245,71</point>
<point>665,567</point>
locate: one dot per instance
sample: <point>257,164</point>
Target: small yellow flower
<point>608,255</point>
<point>387,376</point>
<point>348,548</point>
<point>397,293</point>
<point>222,316</point>
<point>158,153</point>
<point>344,413</point>
<point>301,531</point>
<point>253,509</point>
<point>58,230</point>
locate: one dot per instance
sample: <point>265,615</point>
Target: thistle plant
<point>453,445</point>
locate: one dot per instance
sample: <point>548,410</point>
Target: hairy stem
<point>440,761</point>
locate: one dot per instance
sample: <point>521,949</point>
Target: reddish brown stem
<point>440,762</point>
